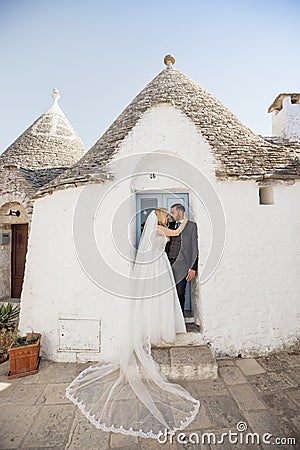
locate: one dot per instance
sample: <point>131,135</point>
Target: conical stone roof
<point>48,147</point>
<point>238,151</point>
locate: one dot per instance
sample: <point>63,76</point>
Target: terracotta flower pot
<point>24,360</point>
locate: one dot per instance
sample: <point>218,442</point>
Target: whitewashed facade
<point>249,304</point>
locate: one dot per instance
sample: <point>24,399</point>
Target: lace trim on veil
<point>121,429</point>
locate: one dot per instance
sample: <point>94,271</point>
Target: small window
<point>266,195</point>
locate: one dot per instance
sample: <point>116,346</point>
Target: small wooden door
<point>18,257</point>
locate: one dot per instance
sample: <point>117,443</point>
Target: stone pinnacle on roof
<point>169,61</point>
<point>55,94</point>
<point>55,108</point>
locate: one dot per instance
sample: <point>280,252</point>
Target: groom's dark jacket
<point>185,249</point>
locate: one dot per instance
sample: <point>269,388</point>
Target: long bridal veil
<point>130,395</point>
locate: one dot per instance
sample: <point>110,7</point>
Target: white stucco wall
<point>56,287</point>
<point>249,304</point>
<point>286,122</point>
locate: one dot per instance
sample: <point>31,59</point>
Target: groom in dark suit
<point>182,251</point>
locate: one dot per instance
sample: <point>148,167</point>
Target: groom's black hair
<point>178,206</point>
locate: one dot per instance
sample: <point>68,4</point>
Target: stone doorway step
<point>189,317</point>
<point>189,361</point>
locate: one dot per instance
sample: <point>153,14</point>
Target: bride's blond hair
<point>162,214</point>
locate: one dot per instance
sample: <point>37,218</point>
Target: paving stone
<point>51,427</point>
<point>201,421</point>
<point>280,403</point>
<point>25,394</point>
<point>44,365</point>
<point>4,369</point>
<point>60,372</point>
<point>290,360</point>
<point>271,363</point>
<point>246,397</point>
<point>272,381</point>
<point>288,428</point>
<point>205,388</point>
<point>263,422</point>
<point>84,435</point>
<point>54,393</point>
<point>167,443</point>
<point>123,441</point>
<point>249,366</point>
<point>15,422</point>
<point>223,412</point>
<point>6,388</point>
<point>294,395</point>
<point>225,362</point>
<point>294,374</point>
<point>294,360</point>
<point>193,442</point>
<point>232,375</point>
<point>296,423</point>
<point>56,447</point>
<point>80,366</point>
<point>128,447</point>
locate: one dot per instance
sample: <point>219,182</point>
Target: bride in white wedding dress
<point>131,395</point>
<point>166,317</point>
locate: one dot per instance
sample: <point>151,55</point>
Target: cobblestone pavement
<point>260,392</point>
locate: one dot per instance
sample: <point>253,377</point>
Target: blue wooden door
<point>145,203</point>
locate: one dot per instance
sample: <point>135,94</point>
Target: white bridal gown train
<point>131,395</point>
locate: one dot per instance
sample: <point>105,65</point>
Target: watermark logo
<point>239,437</point>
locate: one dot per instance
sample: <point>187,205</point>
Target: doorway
<point>145,203</point>
<point>19,234</point>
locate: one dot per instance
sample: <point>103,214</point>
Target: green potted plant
<point>24,355</point>
<point>9,315</point>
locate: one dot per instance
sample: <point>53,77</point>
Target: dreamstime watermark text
<point>239,436</point>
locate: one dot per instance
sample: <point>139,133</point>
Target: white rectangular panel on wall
<point>79,335</point>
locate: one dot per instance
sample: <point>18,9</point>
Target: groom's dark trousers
<point>180,286</point>
<point>182,252</point>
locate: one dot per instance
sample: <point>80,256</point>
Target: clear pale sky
<point>101,53</point>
